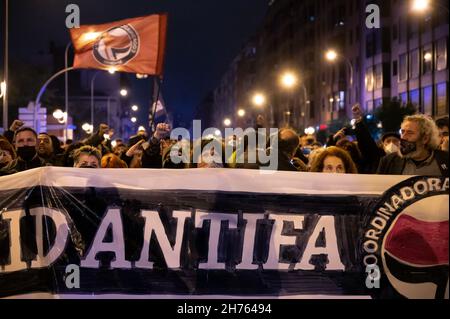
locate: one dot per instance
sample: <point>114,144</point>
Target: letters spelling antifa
<point>171,238</point>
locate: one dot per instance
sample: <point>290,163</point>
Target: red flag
<point>133,45</point>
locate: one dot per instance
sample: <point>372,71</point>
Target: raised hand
<point>17,124</point>
<point>162,129</point>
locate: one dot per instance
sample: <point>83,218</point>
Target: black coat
<point>393,164</point>
<point>371,153</point>
<point>22,165</point>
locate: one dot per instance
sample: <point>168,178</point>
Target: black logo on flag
<point>117,46</point>
<point>408,238</point>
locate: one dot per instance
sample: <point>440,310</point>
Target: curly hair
<point>350,167</point>
<point>427,127</point>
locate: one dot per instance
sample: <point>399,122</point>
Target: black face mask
<point>407,147</point>
<point>87,166</point>
<point>27,153</point>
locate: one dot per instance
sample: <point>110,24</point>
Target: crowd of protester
<point>419,148</point>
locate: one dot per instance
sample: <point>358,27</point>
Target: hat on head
<point>390,134</point>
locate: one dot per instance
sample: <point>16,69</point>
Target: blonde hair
<point>427,127</point>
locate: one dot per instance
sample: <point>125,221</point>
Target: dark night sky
<point>203,37</point>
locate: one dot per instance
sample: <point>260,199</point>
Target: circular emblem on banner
<point>407,238</point>
<point>117,46</point>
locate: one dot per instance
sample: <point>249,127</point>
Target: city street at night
<point>224,158</point>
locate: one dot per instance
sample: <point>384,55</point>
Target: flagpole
<point>156,83</point>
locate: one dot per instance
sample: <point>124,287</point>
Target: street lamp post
<point>288,81</point>
<point>111,71</point>
<point>66,86</point>
<point>41,92</point>
<point>92,96</point>
<point>5,93</point>
<point>306,102</point>
<point>332,55</point>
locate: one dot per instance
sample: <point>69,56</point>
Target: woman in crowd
<point>334,160</point>
<point>8,157</point>
<point>112,161</point>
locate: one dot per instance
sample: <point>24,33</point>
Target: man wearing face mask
<point>419,153</point>
<point>25,141</point>
<point>391,142</point>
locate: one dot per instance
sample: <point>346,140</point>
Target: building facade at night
<point>405,58</point>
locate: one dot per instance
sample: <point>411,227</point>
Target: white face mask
<point>391,148</point>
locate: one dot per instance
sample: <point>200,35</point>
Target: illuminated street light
<point>133,119</point>
<point>135,108</point>
<point>241,112</point>
<point>420,5</point>
<point>87,128</point>
<point>58,114</point>
<point>259,99</point>
<point>427,57</point>
<point>218,133</point>
<point>331,100</point>
<point>227,122</point>
<point>123,92</point>
<point>2,89</point>
<point>288,80</point>
<point>331,55</point>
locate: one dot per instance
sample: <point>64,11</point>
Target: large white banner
<point>221,233</point>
